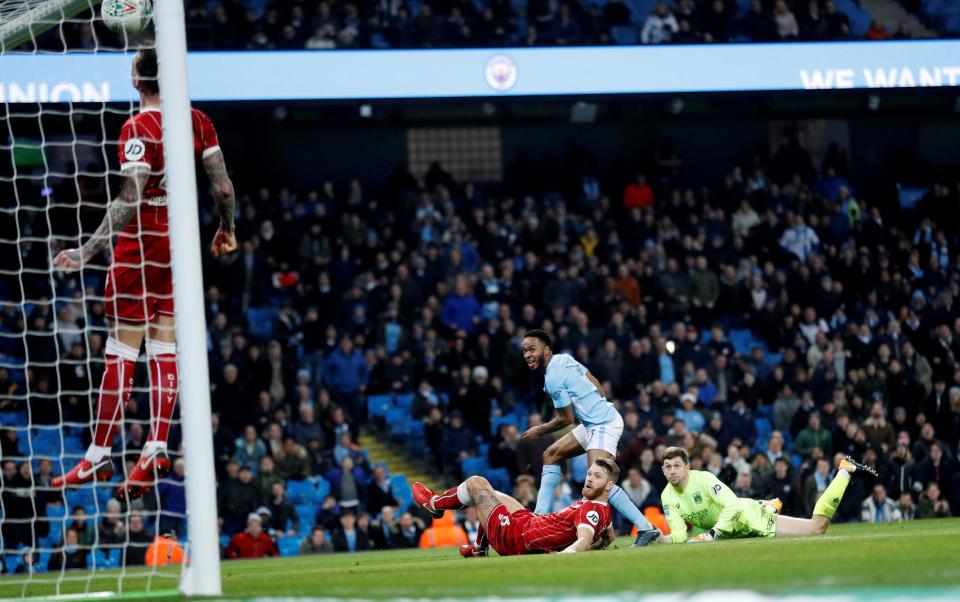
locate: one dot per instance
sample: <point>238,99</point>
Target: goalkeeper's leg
<point>154,461</point>
<point>122,350</point>
<point>826,506</point>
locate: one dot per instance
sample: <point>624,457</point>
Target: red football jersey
<point>141,145</point>
<point>558,530</point>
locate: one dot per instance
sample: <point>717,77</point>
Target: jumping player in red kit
<point>512,529</point>
<point>139,288</point>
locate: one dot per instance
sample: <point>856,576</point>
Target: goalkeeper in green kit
<point>699,507</point>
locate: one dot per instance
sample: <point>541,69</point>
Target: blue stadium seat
<point>742,341</point>
<point>12,562</point>
<point>44,560</point>
<point>103,560</point>
<point>404,401</point>
<point>764,429</point>
<point>472,466</point>
<point>499,478</point>
<point>307,514</point>
<point>417,446</point>
<point>377,405</point>
<point>289,546</point>
<point>787,440</point>
<point>82,496</point>
<point>497,422</point>
<point>397,422</point>
<point>303,492</point>
<point>323,488</point>
<point>56,511</point>
<point>260,321</point>
<point>625,35</point>
<point>400,489</point>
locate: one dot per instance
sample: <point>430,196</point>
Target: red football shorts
<point>505,530</point>
<point>139,285</point>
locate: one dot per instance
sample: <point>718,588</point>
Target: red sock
<point>163,389</point>
<point>448,500</point>
<point>114,394</point>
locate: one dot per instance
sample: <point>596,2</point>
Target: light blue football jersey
<point>566,382</point>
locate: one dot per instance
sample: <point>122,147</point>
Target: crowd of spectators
<point>327,24</point>
<point>359,24</point>
<point>852,345</point>
<point>778,294</point>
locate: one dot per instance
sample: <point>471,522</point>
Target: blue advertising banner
<point>364,75</point>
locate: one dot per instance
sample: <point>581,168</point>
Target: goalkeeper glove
<point>710,535</point>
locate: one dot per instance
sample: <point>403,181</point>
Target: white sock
<point>152,447</point>
<point>843,473</point>
<point>95,454</point>
<point>463,495</point>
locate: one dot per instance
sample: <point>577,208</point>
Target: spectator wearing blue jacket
<point>461,310</point>
<point>741,423</point>
<point>458,441</point>
<point>689,414</point>
<point>173,500</point>
<point>346,374</point>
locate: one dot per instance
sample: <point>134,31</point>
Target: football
<point>130,16</point>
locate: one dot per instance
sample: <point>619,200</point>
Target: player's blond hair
<point>674,452</point>
<point>613,471</point>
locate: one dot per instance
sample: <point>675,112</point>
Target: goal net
<point>59,172</point>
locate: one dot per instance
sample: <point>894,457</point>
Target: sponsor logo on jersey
<point>594,517</point>
<point>504,520</point>
<point>134,149</point>
<point>716,489</point>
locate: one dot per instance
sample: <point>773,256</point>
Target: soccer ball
<point>130,16</point>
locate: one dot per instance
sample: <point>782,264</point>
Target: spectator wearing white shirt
<point>878,508</point>
<point>800,239</point>
<point>785,21</point>
<point>745,218</point>
<point>659,26</point>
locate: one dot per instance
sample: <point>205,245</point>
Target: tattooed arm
<point>226,203</point>
<point>119,213</point>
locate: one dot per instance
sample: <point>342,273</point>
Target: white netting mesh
<point>58,172</point>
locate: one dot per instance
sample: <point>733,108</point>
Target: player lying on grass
<point>512,529</point>
<point>699,507</point>
<point>578,397</point>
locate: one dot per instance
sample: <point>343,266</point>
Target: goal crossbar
<point>23,20</point>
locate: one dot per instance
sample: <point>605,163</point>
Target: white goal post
<point>202,576</point>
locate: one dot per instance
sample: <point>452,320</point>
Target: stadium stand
<point>357,24</point>
<point>775,314</point>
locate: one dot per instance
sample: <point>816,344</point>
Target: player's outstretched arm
<point>678,526</point>
<point>728,500</point>
<point>583,543</point>
<point>119,213</point>
<point>225,200</point>
<point>564,418</point>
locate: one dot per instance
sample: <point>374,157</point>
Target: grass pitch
<point>893,556</point>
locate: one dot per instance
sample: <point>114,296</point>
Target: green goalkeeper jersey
<point>706,503</point>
